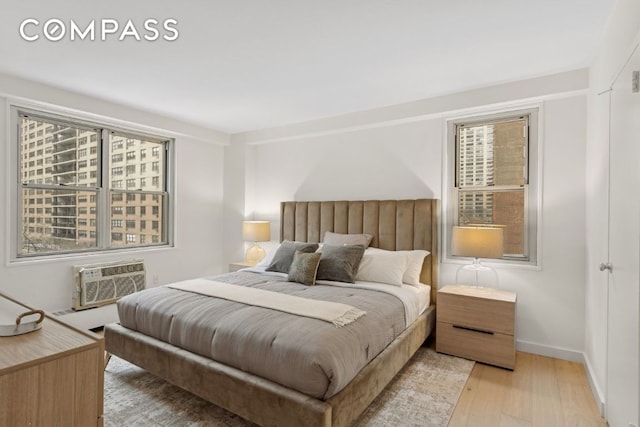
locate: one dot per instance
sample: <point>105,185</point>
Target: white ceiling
<point>240,65</point>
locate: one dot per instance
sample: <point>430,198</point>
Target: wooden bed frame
<point>395,225</point>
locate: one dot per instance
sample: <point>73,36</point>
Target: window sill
<point>496,264</point>
<point>87,257</point>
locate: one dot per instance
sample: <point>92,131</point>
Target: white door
<point>623,364</point>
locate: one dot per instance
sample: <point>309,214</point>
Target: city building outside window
<point>492,171</point>
<point>70,201</point>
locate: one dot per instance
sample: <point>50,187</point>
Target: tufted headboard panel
<point>395,225</point>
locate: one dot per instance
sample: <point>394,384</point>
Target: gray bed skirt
<point>259,400</point>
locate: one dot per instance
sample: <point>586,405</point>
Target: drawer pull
<point>473,329</point>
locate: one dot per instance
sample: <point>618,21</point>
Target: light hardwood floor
<point>541,391</point>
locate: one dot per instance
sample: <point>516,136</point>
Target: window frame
<point>103,127</point>
<point>532,190</point>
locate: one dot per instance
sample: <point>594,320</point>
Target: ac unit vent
<point>101,284</point>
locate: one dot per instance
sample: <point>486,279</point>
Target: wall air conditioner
<point>101,284</point>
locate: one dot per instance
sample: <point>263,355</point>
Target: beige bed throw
<point>333,312</point>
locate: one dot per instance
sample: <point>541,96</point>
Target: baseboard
<point>571,355</point>
<point>545,350</point>
<point>598,395</point>
<point>90,318</point>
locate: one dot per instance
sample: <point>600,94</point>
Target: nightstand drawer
<point>478,313</point>
<point>492,348</point>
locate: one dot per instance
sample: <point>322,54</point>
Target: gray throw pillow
<point>340,263</point>
<point>284,255</point>
<point>304,268</point>
<point>339,239</point>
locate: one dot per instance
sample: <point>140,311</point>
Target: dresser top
<point>479,292</point>
<point>52,339</point>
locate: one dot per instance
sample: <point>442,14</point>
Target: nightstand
<point>477,323</point>
<point>235,266</point>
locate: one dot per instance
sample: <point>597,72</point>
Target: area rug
<point>424,393</point>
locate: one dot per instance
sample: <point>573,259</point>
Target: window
<point>80,197</point>
<point>492,174</point>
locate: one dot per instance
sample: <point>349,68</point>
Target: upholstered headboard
<point>395,225</point>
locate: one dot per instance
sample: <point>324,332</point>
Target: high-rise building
<point>491,171</point>
<point>68,158</point>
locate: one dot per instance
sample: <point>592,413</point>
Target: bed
<point>267,398</point>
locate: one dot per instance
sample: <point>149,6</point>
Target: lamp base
<point>476,268</point>
<point>254,254</point>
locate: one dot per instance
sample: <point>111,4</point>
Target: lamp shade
<point>256,231</point>
<point>477,242</point>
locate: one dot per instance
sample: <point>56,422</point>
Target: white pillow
<point>414,261</point>
<point>382,267</point>
<point>270,248</point>
<point>414,266</point>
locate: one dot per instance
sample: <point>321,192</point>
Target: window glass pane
<point>492,153</point>
<point>64,165</point>
<point>129,158</point>
<point>60,156</point>
<point>137,219</point>
<point>58,220</point>
<point>501,208</point>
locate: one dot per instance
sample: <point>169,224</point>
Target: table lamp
<point>477,242</point>
<point>255,231</point>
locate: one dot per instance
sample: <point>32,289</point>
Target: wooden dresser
<point>477,323</point>
<point>52,376</point>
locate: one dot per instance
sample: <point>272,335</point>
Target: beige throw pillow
<point>304,268</point>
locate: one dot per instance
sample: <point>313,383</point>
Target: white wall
<point>382,154</point>
<point>623,26</point>
<point>198,250</point>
